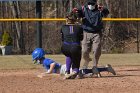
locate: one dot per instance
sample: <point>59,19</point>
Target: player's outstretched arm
<point>52,65</point>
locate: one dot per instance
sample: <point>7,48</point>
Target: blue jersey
<point>47,62</point>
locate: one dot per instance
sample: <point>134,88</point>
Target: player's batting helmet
<point>38,53</point>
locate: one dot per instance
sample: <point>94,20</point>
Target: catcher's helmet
<point>38,53</point>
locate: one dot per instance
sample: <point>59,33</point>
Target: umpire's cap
<point>92,1</point>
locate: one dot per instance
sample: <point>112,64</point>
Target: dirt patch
<point>127,80</point>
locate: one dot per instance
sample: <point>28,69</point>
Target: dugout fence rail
<point>63,19</point>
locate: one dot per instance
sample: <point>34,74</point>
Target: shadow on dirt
<point>113,76</point>
<point>118,76</point>
<point>129,70</point>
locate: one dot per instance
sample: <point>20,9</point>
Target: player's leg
<point>75,58</point>
<point>63,69</point>
<point>66,51</point>
<point>68,65</point>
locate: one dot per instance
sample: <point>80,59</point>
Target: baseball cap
<point>93,2</point>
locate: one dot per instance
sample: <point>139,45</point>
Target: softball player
<point>72,35</point>
<point>50,65</point>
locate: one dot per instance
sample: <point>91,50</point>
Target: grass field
<point>25,61</point>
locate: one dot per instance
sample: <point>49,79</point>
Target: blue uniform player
<point>50,65</point>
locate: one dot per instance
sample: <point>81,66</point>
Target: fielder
<point>72,35</point>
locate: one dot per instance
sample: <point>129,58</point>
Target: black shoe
<point>80,74</point>
<point>96,71</point>
<point>110,69</point>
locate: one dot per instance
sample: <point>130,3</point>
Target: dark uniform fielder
<point>72,35</point>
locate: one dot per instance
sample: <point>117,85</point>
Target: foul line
<point>63,19</point>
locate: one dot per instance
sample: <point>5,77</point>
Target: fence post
<point>39,24</point>
<point>137,14</point>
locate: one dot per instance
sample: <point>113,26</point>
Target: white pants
<point>63,69</point>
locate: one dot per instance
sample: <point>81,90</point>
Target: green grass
<point>120,59</point>
<point>16,62</point>
<point>25,61</point>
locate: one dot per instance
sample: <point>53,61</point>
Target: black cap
<point>92,1</point>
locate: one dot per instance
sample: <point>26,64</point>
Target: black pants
<point>74,52</point>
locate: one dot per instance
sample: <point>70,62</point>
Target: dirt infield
<point>127,80</point>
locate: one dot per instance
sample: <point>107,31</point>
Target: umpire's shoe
<point>110,69</point>
<point>96,71</point>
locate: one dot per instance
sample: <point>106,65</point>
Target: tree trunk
<point>14,8</point>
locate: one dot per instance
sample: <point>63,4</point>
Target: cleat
<point>110,69</point>
<point>96,71</point>
<point>66,75</point>
<point>71,76</point>
<point>81,74</point>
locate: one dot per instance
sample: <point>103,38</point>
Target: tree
<point>15,6</point>
<point>7,39</point>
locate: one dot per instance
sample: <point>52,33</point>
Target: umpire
<point>92,25</point>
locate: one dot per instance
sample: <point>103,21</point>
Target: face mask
<point>37,62</point>
<point>91,7</point>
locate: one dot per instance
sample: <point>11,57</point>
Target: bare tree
<point>16,14</point>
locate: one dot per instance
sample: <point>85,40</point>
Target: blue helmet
<point>38,53</point>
